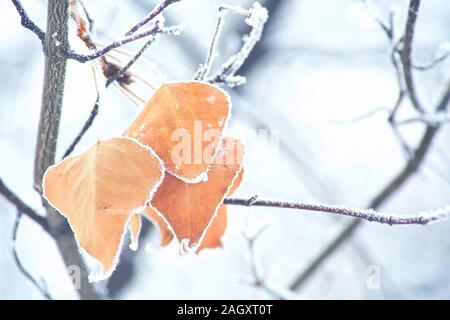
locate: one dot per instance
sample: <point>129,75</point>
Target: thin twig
<point>88,123</point>
<point>41,287</point>
<point>94,111</point>
<point>407,150</point>
<point>258,279</point>
<point>432,63</point>
<point>22,206</point>
<point>131,62</point>
<point>388,29</point>
<point>88,16</point>
<point>156,29</point>
<point>361,117</point>
<point>115,76</point>
<point>386,193</point>
<point>413,164</point>
<point>365,214</point>
<point>205,68</point>
<point>406,53</point>
<point>27,22</point>
<point>256,17</point>
<point>152,15</point>
<point>429,119</point>
<point>63,49</point>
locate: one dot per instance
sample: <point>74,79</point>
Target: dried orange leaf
<point>214,234</point>
<point>100,190</point>
<point>183,122</point>
<point>212,238</point>
<point>189,208</point>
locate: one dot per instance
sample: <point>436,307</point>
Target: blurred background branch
<point>416,159</point>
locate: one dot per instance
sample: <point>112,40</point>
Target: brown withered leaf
<point>183,122</point>
<point>213,236</point>
<point>100,190</point>
<point>189,208</point>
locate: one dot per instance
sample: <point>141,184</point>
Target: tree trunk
<point>47,137</point>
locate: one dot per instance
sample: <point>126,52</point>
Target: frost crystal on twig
<point>256,18</point>
<point>365,214</point>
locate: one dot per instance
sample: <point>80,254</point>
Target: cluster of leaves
<point>112,184</point>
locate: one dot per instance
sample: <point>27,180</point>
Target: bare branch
<point>131,62</point>
<point>94,112</point>
<point>258,278</point>
<point>363,116</point>
<point>406,148</point>
<point>433,120</point>
<point>256,17</point>
<point>22,207</point>
<point>406,53</point>
<point>443,104</point>
<point>63,49</point>
<point>40,286</point>
<point>152,15</point>
<point>433,63</point>
<point>365,214</point>
<point>158,28</point>
<point>27,22</point>
<point>84,129</point>
<point>205,68</point>
<point>386,193</point>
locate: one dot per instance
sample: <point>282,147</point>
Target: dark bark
<point>47,137</point>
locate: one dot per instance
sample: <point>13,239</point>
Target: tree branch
<point>59,47</point>
<point>256,18</point>
<point>364,214</point>
<point>429,119</point>
<point>87,124</point>
<point>41,287</point>
<point>386,193</point>
<point>406,53</point>
<point>21,206</point>
<point>412,165</point>
<point>27,22</point>
<point>152,15</point>
<point>94,112</point>
<point>259,280</point>
<point>156,29</point>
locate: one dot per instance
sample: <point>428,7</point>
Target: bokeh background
<point>319,64</point>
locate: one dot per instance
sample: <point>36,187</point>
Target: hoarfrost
<point>256,17</point>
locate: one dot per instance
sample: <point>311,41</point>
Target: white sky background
<point>323,64</point>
